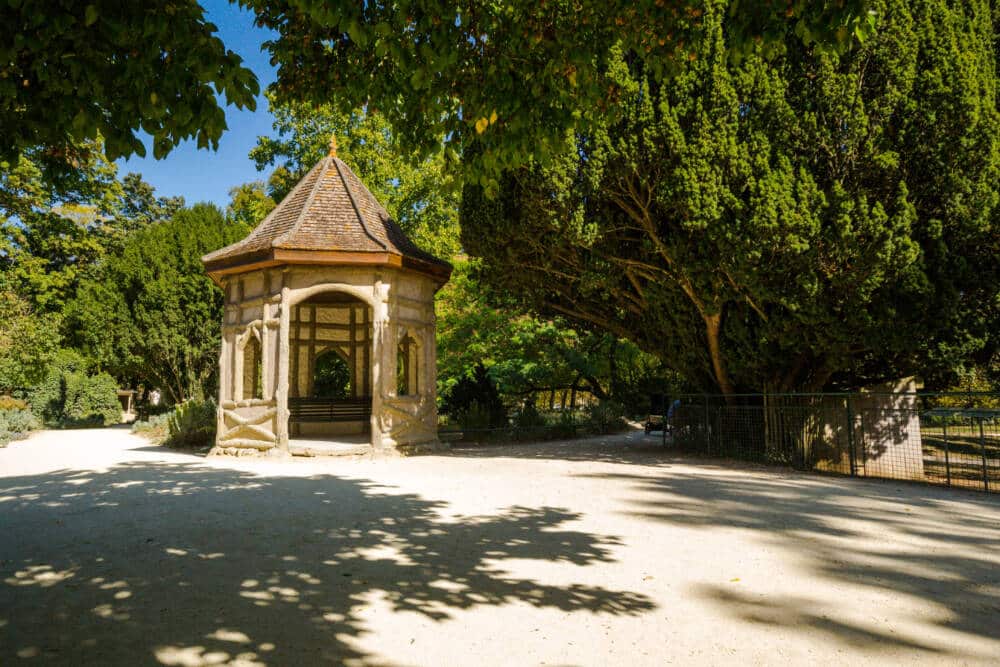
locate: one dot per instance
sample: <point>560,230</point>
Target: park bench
<point>330,410</point>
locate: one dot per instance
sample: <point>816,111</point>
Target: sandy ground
<point>613,552</point>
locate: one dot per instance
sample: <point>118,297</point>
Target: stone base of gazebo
<point>331,448</point>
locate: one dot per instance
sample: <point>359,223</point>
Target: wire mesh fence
<point>941,438</point>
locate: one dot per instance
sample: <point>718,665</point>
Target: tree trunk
<point>712,331</point>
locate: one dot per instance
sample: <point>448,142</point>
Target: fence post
<point>982,446</point>
<point>947,458</point>
<point>850,433</point>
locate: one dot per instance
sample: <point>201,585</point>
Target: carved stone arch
<point>248,366</point>
<point>409,363</point>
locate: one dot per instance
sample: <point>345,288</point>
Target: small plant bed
<point>189,425</point>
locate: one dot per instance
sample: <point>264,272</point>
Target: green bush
<point>564,428</point>
<point>606,416</point>
<point>192,424</point>
<point>90,400</point>
<point>16,423</point>
<point>69,397</point>
<point>11,403</point>
<point>476,416</point>
<point>154,428</point>
<point>528,417</point>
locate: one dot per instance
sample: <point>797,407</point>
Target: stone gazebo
<point>329,330</point>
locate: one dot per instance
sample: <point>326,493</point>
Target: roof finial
<point>333,145</point>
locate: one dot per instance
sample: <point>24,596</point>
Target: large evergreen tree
<point>150,314</point>
<point>512,75</point>
<point>797,222</point>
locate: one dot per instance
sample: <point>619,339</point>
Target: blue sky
<point>205,175</point>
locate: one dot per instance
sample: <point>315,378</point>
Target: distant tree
<point>799,222</point>
<point>533,357</point>
<point>418,193</point>
<point>139,206</point>
<point>28,342</point>
<point>53,228</point>
<point>150,314</point>
<point>249,203</point>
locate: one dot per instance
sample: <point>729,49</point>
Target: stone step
<point>313,449</point>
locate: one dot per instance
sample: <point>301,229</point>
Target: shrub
<point>476,416</point>
<point>529,424</point>
<point>16,423</point>
<point>11,403</point>
<point>564,428</point>
<point>68,396</point>
<point>192,424</point>
<point>606,416</point>
<point>90,400</point>
<point>528,417</point>
<point>154,428</point>
<point>476,397</point>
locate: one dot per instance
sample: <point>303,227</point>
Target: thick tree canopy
<point>515,75</point>
<point>150,313</point>
<point>71,71</point>
<point>790,223</point>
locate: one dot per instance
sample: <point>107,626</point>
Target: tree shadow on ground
<point>632,447</point>
<point>184,564</point>
<point>871,538</point>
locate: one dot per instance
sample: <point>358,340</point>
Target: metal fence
<point>942,438</point>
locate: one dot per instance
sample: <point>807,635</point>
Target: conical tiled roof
<point>329,217</point>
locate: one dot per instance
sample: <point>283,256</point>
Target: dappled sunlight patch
<point>199,656</point>
<point>107,611</point>
<point>224,635</point>
<point>40,575</point>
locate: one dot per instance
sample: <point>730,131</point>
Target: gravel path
<point>598,552</point>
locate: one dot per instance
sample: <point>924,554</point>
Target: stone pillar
<point>225,379</point>
<point>281,390</point>
<point>381,331</point>
<point>430,388</point>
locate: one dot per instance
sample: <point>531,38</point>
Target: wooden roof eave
<point>220,268</point>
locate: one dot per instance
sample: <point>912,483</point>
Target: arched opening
<point>407,362</point>
<point>253,375</point>
<point>331,376</point>
<point>330,348</point>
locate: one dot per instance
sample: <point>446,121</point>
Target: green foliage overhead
<point>150,313</point>
<point>799,222</point>
<point>71,71</point>
<point>515,76</point>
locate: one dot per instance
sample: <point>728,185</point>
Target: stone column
<point>281,391</point>
<point>225,381</point>
<point>380,334</point>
